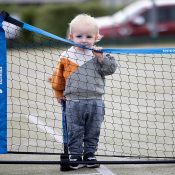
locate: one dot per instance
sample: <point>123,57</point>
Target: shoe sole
<point>77,167</point>
<point>93,166</point>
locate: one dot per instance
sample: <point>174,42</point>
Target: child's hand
<point>49,79</point>
<point>59,99</point>
<point>98,55</point>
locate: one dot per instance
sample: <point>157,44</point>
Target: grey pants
<point>84,119</point>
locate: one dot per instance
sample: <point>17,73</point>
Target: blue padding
<point>3,91</point>
<point>64,122</point>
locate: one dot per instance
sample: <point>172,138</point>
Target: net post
<point>3,90</point>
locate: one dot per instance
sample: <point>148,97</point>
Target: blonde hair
<point>84,19</point>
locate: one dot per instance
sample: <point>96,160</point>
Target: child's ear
<point>98,37</point>
<point>70,36</point>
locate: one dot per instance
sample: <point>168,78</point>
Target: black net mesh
<point>139,101</point>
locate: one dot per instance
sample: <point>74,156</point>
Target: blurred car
<point>141,18</point>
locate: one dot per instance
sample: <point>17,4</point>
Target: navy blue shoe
<point>89,157</point>
<point>75,166</point>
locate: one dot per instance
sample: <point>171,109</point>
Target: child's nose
<point>84,39</point>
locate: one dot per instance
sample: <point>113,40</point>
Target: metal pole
<point>153,16</point>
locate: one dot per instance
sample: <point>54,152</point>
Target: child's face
<point>84,35</point>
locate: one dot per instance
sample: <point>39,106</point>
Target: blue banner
<point>3,90</point>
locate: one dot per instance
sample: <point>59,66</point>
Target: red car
<point>142,18</point>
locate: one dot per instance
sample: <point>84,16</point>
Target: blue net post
<point>3,90</point>
<point>64,126</point>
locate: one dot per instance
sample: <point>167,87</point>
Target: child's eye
<point>79,36</point>
<point>89,36</point>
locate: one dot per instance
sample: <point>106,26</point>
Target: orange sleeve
<point>63,70</point>
<point>58,80</point>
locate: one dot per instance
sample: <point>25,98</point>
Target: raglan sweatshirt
<point>79,75</point>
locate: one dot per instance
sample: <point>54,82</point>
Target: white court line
<point>104,170</point>
<point>87,174</point>
<point>45,128</point>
